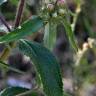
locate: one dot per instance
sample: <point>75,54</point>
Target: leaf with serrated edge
<point>46,65</point>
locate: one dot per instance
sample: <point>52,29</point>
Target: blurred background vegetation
<point>82,80</point>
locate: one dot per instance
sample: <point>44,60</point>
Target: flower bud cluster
<point>50,7</point>
<point>55,9</point>
<point>61,3</point>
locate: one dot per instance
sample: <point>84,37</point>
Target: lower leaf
<point>46,65</point>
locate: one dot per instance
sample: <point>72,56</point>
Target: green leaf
<point>2,1</point>
<point>18,91</point>
<point>29,27</point>
<point>46,65</point>
<point>50,35</point>
<point>70,34</point>
<point>12,91</point>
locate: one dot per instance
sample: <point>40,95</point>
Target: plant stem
<point>4,22</point>
<point>19,13</point>
<point>3,65</point>
<point>25,93</point>
<point>7,26</point>
<point>78,10</point>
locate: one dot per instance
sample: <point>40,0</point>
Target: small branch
<point>79,57</point>
<point>6,51</point>
<point>4,22</point>
<point>3,65</point>
<point>25,93</point>
<point>19,13</point>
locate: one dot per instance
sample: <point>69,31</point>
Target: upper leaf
<point>46,65</point>
<point>2,1</point>
<point>30,26</point>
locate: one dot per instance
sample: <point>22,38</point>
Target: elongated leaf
<point>32,25</point>
<point>2,1</point>
<point>12,91</point>
<point>70,34</point>
<point>50,35</point>
<point>46,65</point>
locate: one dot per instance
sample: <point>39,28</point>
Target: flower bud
<point>85,46</point>
<point>42,8</point>
<point>50,7</point>
<point>61,3</point>
<point>61,11</point>
<point>54,15</point>
<point>91,42</point>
